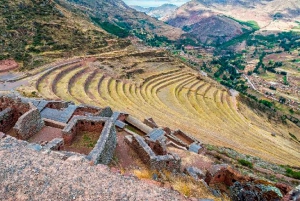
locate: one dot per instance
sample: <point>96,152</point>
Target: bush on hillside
<point>245,163</point>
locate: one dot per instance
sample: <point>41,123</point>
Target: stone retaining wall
<point>74,78</point>
<point>60,75</point>
<point>29,123</point>
<point>54,68</point>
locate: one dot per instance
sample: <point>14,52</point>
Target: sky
<point>154,3</point>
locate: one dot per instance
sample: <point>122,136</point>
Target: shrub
<point>266,103</point>
<point>245,163</point>
<point>292,173</point>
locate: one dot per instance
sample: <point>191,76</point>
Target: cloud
<point>154,3</point>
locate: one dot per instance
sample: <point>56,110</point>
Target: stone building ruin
<point>57,123</point>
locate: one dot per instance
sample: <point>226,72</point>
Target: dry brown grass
<point>143,174</point>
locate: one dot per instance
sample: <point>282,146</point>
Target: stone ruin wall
<point>91,110</point>
<point>142,149</point>
<point>169,162</point>
<point>106,144</point>
<point>105,112</point>
<point>158,147</point>
<point>82,123</point>
<point>6,120</point>
<point>29,124</point>
<point>54,124</point>
<point>57,105</point>
<point>55,145</point>
<point>17,106</point>
<point>185,136</point>
<point>80,111</point>
<point>177,141</point>
<point>11,109</point>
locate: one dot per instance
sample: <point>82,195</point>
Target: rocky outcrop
<point>27,174</point>
<point>251,191</point>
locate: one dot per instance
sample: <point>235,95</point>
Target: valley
<point>200,100</point>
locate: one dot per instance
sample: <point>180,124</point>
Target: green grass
<point>292,173</point>
<point>111,28</point>
<point>285,82</point>
<point>245,163</point>
<point>251,23</point>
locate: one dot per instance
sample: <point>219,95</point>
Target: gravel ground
<point>26,174</point>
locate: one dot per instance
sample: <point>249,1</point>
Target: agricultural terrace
<point>151,84</point>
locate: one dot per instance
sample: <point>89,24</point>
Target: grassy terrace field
<point>176,97</point>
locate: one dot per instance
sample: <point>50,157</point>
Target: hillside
<point>34,32</point>
<point>274,15</point>
<point>117,13</point>
<point>159,12</point>
<point>37,32</point>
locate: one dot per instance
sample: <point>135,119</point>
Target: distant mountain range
<point>160,12</point>
<point>221,20</point>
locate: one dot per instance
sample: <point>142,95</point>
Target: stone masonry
<point>29,124</point>
<point>82,123</point>
<point>170,162</point>
<point>106,144</point>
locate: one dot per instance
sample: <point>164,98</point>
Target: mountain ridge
<point>159,12</point>
<point>269,15</point>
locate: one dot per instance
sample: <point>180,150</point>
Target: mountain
<point>159,12</point>
<point>218,16</point>
<point>36,31</point>
<point>115,13</point>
